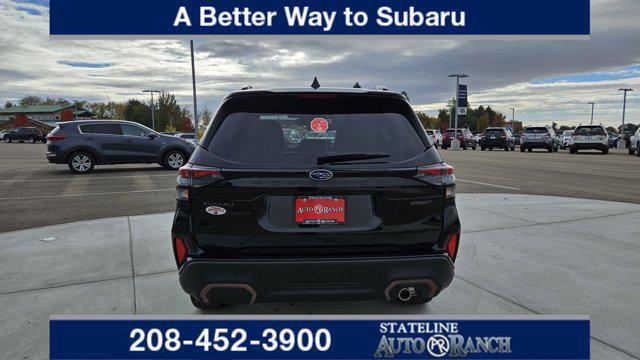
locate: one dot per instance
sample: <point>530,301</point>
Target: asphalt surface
<point>34,193</point>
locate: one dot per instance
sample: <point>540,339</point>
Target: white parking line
<point>87,178</point>
<point>485,184</point>
<point>89,194</point>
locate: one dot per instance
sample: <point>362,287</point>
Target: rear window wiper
<point>349,157</point>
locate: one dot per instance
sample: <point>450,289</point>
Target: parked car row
<point>584,137</point>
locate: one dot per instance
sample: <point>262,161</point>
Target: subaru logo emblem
<point>321,175</point>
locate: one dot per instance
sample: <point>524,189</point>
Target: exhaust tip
<point>406,294</point>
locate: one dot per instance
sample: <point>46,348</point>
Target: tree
<point>482,123</point>
<point>139,112</point>
<point>30,101</point>
<point>108,110</point>
<point>168,112</point>
<point>427,121</point>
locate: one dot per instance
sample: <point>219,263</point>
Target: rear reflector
<point>56,137</point>
<point>180,251</point>
<point>452,246</point>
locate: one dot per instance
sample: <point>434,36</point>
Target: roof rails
<point>380,87</point>
<point>357,85</point>
<point>247,87</point>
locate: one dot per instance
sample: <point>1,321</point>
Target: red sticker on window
<point>319,125</point>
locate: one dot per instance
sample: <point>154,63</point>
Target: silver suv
<point>594,137</point>
<point>634,143</point>
<point>539,137</point>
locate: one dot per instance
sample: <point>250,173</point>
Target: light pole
<point>513,118</point>
<point>195,100</point>
<point>622,144</point>
<point>153,118</point>
<point>593,104</point>
<point>455,143</point>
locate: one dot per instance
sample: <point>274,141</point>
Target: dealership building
<point>43,117</point>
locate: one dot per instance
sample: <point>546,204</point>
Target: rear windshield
<point>536,130</point>
<point>494,132</point>
<point>590,130</point>
<point>259,130</point>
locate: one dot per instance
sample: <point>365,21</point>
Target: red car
<point>464,135</point>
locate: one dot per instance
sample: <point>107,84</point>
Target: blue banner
<point>176,18</point>
<point>319,337</point>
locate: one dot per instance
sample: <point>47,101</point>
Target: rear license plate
<point>319,210</point>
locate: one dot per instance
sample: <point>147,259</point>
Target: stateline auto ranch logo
<point>437,339</point>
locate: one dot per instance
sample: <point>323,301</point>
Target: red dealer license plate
<point>318,210</point>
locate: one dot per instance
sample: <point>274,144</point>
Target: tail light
<point>180,251</point>
<point>452,246</point>
<point>195,175</point>
<point>56,137</point>
<point>437,169</point>
<point>439,174</point>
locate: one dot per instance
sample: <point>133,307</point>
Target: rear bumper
<point>589,146</point>
<point>53,157</point>
<point>536,144</point>
<point>500,143</point>
<point>281,280</point>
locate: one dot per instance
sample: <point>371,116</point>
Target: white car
<point>188,137</point>
<point>436,136</point>
<point>566,139</point>
<point>594,137</point>
<point>634,143</point>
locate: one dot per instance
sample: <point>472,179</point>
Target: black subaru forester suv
<point>358,205</point>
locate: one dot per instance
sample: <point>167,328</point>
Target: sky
<point>550,80</point>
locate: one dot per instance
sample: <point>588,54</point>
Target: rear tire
<point>174,160</point>
<point>31,140</point>
<point>7,140</point>
<point>638,150</point>
<point>522,148</point>
<point>631,151</point>
<point>81,162</point>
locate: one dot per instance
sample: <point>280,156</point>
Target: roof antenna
<point>315,84</point>
<point>357,85</point>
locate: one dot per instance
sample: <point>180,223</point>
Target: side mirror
<point>152,136</point>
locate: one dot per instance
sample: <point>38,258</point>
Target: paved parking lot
<point>35,193</point>
<point>519,255</point>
